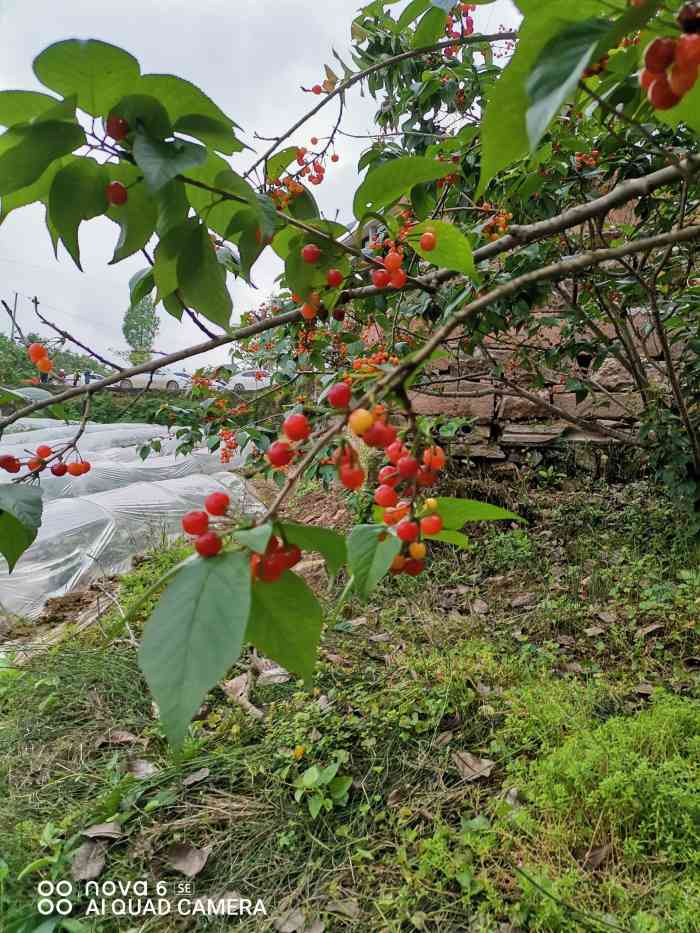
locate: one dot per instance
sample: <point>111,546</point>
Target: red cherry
<point>117,127</point>
<point>339,395</point>
<point>398,278</point>
<point>688,51</point>
<point>386,496</point>
<point>352,477</point>
<point>335,157</point>
<point>310,253</point>
<point>380,278</point>
<point>681,80</point>
<point>659,54</point>
<point>308,312</point>
<point>389,476</point>
<point>414,567</point>
<point>280,454</point>
<point>661,96</point>
<point>59,469</point>
<point>314,141</point>
<point>334,278</point>
<point>44,451</point>
<point>377,435</point>
<point>75,469</point>
<point>292,556</point>
<point>407,467</point>
<point>116,193</point>
<point>195,523</point>
<point>393,261</point>
<point>272,567</point>
<point>85,467</point>
<point>208,545</point>
<point>10,464</point>
<point>426,477</point>
<point>434,458</point>
<point>35,463</point>
<point>217,503</point>
<point>647,78</point>
<point>428,241</point>
<point>395,451</point>
<point>407,530</point>
<point>36,351</point>
<point>431,524</point>
<point>316,89</point>
<point>339,314</point>
<point>296,427</point>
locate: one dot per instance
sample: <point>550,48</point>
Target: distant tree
<point>140,327</point>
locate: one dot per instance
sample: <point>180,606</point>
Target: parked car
<point>162,379</point>
<point>249,380</point>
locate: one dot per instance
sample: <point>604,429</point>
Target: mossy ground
<point>566,653</point>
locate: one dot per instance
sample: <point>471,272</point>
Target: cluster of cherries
<point>671,65</point>
<point>590,160</point>
<point>296,429</point>
<point>497,226</point>
<point>459,23</point>
<point>38,462</point>
<point>267,567</point>
<point>39,355</point>
<point>229,445</point>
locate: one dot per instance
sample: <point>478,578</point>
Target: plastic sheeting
<point>93,524</point>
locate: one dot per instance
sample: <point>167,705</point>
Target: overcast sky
<point>250,56</point>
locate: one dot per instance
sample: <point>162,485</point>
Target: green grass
<point>591,717</point>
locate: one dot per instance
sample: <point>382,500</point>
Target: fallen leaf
<point>607,617</point>
<point>482,689</point>
<point>512,796</point>
<point>380,636</point>
<point>523,600</point>
<point>648,629</point>
<point>111,830</point>
<point>692,664</point>
<point>645,690</point>
<point>186,859</point>
<point>88,861</point>
<point>348,908</point>
<point>595,857</point>
<point>196,777</point>
<point>444,739</point>
<point>479,607</point>
<point>119,737</point>
<point>360,620</point>
<point>566,640</point>
<point>315,735</point>
<point>323,702</point>
<point>291,922</point>
<point>318,926</point>
<point>573,667</point>
<point>140,768</point>
<point>274,675</point>
<point>471,767</point>
<point>396,796</point>
<point>594,630</point>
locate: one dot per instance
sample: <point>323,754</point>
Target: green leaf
<point>557,71</point>
<point>457,512</point>
<point>141,284</point>
<point>371,549</point>
<point>504,129</point>
<point>194,635</point>
<point>312,538</point>
<point>339,787</point>
<point>448,536</point>
<point>23,106</point>
<point>37,191</point>
<point>430,28</point>
<point>192,112</point>
<point>390,180</point>
<point>137,218</point>
<point>77,194</point>
<point>452,251</point>
<point>215,211</point>
<point>202,278</point>
<point>303,206</point>
<point>277,163</point>
<point>28,150</point>
<point>244,230</point>
<point>174,306</point>
<point>173,207</point>
<point>167,254</point>
<point>146,113</point>
<point>254,538</point>
<point>412,11</point>
<point>314,803</point>
<point>160,161</point>
<point>98,72</point>
<point>285,624</point>
<point>20,519</point>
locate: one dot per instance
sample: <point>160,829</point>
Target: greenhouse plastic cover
<point>93,524</point>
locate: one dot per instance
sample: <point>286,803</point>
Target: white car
<point>249,380</point>
<point>162,379</point>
